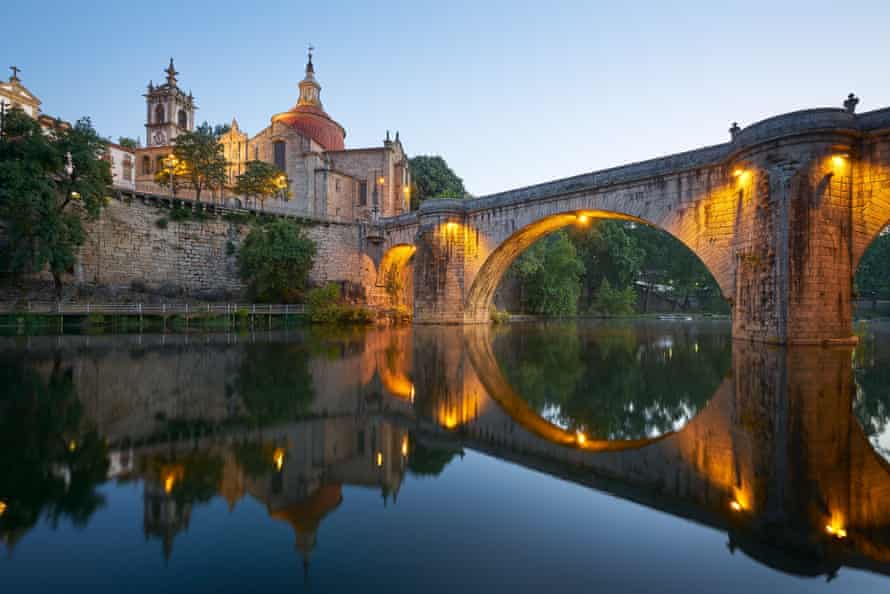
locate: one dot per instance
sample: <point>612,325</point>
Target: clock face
<point>158,137</point>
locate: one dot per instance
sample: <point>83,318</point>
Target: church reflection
<point>775,457</point>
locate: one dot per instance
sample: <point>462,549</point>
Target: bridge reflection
<point>776,458</point>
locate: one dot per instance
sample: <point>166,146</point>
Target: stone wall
<point>127,244</point>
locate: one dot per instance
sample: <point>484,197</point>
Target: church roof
<point>309,118</point>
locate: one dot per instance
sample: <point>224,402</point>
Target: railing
<point>150,309</point>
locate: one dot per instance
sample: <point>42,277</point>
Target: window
<point>362,193</point>
<point>183,119</point>
<point>146,165</point>
<point>128,169</point>
<point>280,155</point>
<point>159,114</point>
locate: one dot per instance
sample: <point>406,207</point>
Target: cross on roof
<point>15,72</point>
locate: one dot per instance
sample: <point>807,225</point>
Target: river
<point>645,456</point>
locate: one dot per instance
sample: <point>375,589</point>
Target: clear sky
<point>510,93</point>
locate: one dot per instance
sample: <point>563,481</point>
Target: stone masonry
<point>780,216</point>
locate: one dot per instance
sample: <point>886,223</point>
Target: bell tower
<point>169,111</point>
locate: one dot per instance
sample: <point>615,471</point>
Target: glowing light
<point>380,180</point>
<point>169,482</point>
<point>735,505</point>
<point>583,218</point>
<point>695,347</point>
<point>407,190</point>
<point>72,445</point>
<point>2,507</point>
<point>581,438</point>
<point>451,225</point>
<point>405,445</point>
<point>738,172</point>
<point>411,394</point>
<point>75,195</point>
<point>836,530</point>
<point>379,459</point>
<point>839,159</point>
<point>278,459</point>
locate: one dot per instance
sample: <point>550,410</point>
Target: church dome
<point>309,118</point>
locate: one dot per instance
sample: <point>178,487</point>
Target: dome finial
<point>309,66</point>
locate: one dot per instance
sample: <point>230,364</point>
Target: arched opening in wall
<point>159,114</point>
<point>647,374</point>
<point>871,359</point>
<point>598,263</point>
<point>183,119</point>
<point>395,278</point>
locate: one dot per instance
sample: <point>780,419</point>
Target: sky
<point>509,93</point>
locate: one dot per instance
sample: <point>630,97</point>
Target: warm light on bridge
<point>836,531</point>
<point>583,219</point>
<point>2,507</point>
<point>735,506</point>
<point>278,459</point>
<point>405,445</point>
<point>379,459</point>
<point>580,438</point>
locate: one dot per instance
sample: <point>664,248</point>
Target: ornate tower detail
<point>310,90</point>
<point>169,111</point>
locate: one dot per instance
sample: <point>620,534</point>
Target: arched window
<point>183,119</point>
<point>159,114</point>
<point>146,165</point>
<point>280,155</point>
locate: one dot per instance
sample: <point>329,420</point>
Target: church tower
<point>169,111</point>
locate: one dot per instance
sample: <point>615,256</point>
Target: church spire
<point>310,90</point>
<point>171,74</point>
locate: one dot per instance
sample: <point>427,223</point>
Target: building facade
<point>327,180</point>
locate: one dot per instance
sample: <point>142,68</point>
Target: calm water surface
<point>609,457</point>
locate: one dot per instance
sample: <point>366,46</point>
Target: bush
<point>323,305</point>
<point>499,317</point>
<point>610,301</point>
<point>179,213</point>
<point>275,260</point>
<point>162,223</point>
<point>230,248</point>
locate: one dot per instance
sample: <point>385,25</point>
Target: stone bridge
<point>780,215</point>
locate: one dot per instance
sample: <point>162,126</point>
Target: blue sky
<point>510,93</point>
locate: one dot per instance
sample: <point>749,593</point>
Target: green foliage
<point>180,213</point>
<point>261,181</point>
<point>230,248</point>
<point>128,143</point>
<point>162,222</point>
<point>872,280</point>
<point>220,129</point>
<point>429,461</point>
<point>43,206</point>
<point>614,301</point>
<point>393,284</point>
<point>609,252</point>
<point>499,317</point>
<point>613,381</point>
<point>275,260</point>
<point>431,177</point>
<point>275,382</point>
<point>324,306</point>
<point>202,159</point>
<point>174,176</point>
<point>550,273</point>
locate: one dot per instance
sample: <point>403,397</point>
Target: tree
<point>275,261</point>
<point>433,178</point>
<point>220,129</point>
<point>203,159</point>
<point>262,180</point>
<point>610,253</point>
<point>128,143</point>
<point>872,278</point>
<point>174,175</point>
<point>45,195</point>
<point>550,272</point>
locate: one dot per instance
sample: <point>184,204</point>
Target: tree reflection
<point>872,373</point>
<point>274,382</point>
<point>51,460</point>
<point>614,382</point>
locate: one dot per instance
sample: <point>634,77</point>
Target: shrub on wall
<point>275,260</point>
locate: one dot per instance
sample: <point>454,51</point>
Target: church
<point>327,180</point>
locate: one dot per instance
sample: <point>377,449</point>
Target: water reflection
<point>761,443</point>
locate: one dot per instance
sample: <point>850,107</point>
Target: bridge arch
<point>485,283</point>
